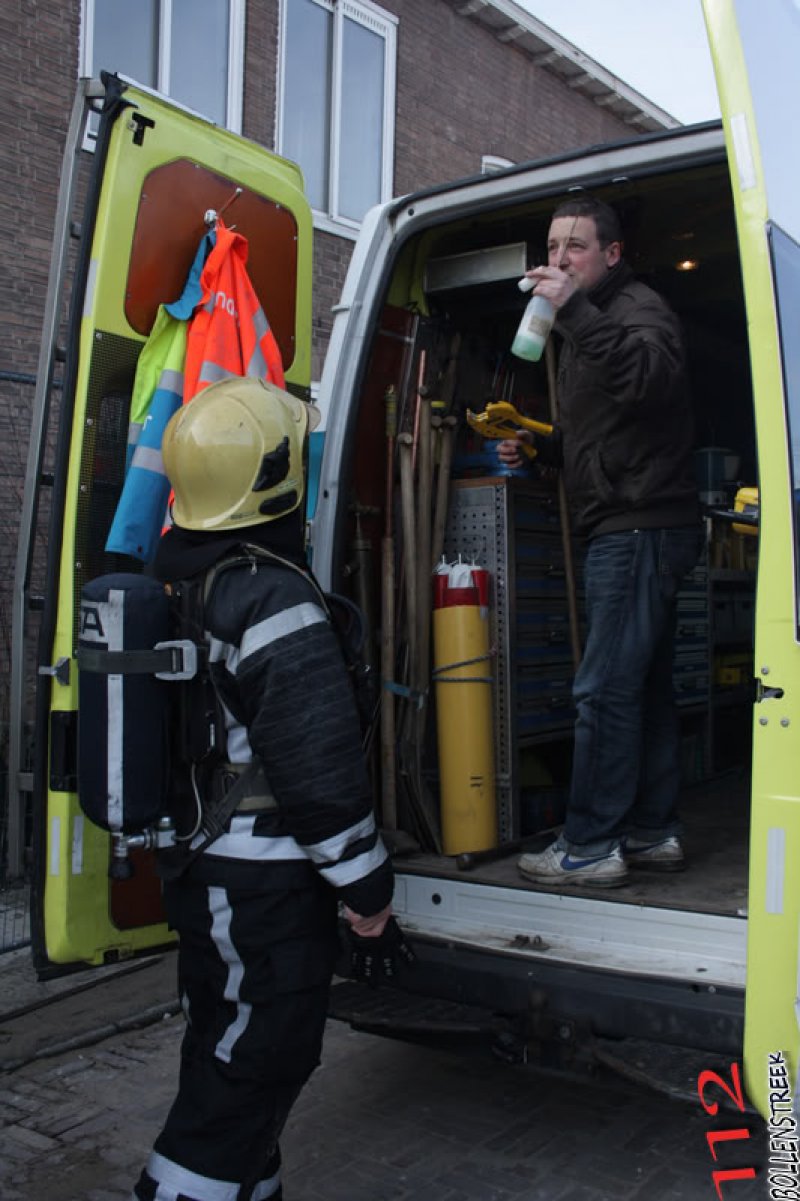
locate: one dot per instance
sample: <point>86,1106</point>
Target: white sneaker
<point>558,866</point>
<point>664,855</point>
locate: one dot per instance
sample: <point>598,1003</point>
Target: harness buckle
<point>183,653</point>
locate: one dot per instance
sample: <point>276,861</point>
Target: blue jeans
<point>626,771</point>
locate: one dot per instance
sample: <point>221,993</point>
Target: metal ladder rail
<point>20,783</point>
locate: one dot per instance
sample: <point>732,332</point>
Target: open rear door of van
<point>157,171</point>
<point>756,50</point>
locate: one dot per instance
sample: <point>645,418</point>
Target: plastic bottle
<point>536,323</point>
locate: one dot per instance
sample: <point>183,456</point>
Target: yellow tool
<point>501,420</point>
<point>746,503</point>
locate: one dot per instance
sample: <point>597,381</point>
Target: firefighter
<point>256,910</point>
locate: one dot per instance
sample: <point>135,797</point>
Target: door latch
<point>60,671</point>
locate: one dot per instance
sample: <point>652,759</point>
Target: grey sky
<point>661,50</point>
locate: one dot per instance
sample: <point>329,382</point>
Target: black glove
<point>376,959</point>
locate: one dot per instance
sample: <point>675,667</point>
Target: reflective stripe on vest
<point>157,394</point>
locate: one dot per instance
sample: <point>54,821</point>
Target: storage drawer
<point>544,699</point>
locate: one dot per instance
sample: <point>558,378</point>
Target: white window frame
<point>385,25</point>
<point>235,54</point>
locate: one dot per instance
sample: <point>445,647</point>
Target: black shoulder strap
<point>192,597</point>
<point>250,556</point>
<point>345,619</point>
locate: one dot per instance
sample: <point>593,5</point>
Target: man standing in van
<point>624,443</point>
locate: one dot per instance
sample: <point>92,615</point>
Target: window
<point>189,50</point>
<point>336,107</point>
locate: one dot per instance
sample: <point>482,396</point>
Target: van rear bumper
<point>453,989</point>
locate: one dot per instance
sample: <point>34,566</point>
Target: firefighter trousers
<point>254,969</point>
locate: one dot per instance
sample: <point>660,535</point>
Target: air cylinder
<point>463,678</point>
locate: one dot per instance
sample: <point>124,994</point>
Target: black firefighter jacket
<point>276,663</point>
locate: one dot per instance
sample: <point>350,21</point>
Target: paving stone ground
<point>379,1121</point>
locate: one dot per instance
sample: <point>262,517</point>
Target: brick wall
<point>38,72</point>
<point>462,94</point>
<point>260,63</point>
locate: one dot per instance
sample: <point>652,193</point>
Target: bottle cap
<point>526,284</point>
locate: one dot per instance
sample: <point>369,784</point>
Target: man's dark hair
<point>605,219</point>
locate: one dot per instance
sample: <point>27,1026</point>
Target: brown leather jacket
<point>625,421</point>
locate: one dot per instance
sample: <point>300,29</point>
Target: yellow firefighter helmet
<point>234,455</point>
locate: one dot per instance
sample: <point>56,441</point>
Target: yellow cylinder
<point>464,728</point>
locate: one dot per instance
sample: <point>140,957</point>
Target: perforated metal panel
<point>478,531</point>
<point>511,527</point>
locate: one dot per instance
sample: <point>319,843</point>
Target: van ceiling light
<point>687,265</point>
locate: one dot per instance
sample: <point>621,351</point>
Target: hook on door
<point>211,216</point>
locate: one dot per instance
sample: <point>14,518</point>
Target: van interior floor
<point>715,814</point>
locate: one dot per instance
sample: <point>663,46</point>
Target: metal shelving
<point>511,527</point>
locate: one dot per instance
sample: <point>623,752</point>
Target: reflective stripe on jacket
<point>278,669</point>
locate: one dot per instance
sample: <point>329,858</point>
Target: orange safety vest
<point>229,333</point>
